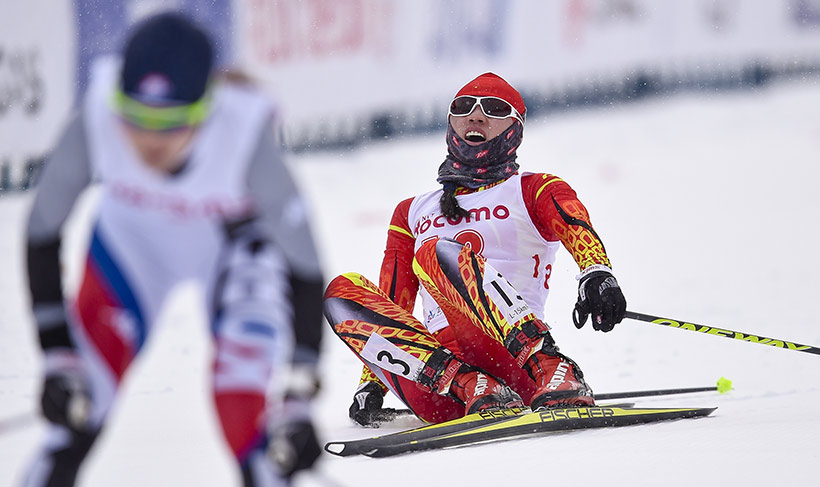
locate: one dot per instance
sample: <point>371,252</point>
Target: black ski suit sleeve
<point>65,175</point>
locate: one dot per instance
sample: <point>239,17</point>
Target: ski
<point>549,420</point>
<point>359,447</point>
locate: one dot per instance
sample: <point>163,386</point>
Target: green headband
<point>161,118</point>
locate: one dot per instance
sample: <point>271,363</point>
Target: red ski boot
<point>482,392</point>
<point>559,381</point>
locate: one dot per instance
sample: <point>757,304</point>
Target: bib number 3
<point>381,353</point>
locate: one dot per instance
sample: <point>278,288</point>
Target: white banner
<point>37,73</point>
<point>342,61</point>
<point>344,70</point>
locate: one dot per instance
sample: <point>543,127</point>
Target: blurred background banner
<point>38,49</point>
<point>347,71</point>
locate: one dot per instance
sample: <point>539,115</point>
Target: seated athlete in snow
<point>482,248</point>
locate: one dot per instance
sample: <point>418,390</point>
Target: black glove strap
<point>579,315</point>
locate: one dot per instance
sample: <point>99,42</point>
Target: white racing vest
<point>500,229</point>
<point>164,228</point>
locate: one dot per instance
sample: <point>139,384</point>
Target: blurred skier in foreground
<point>193,188</point>
<point>482,248</point>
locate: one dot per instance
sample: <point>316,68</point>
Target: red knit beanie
<point>490,84</point>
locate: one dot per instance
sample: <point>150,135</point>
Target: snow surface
<point>708,206</point>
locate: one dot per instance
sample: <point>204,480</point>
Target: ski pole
<point>723,332</point>
<point>723,385</point>
<point>16,422</point>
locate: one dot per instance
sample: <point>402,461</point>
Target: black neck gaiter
<point>474,166</point>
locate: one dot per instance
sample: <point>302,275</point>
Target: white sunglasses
<point>491,106</point>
